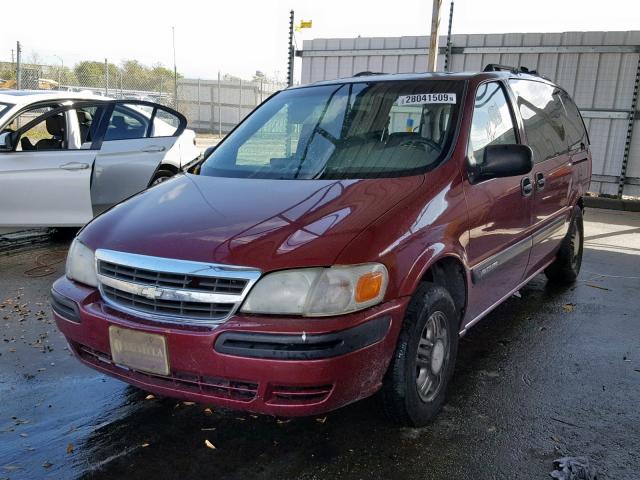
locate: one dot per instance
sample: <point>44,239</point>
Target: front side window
<point>543,116</point>
<point>491,124</point>
<point>351,130</point>
<point>47,134</point>
<point>88,121</point>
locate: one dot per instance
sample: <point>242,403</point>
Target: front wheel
<point>161,176</point>
<point>566,266</point>
<point>415,385</point>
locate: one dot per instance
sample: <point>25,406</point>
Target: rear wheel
<point>415,385</point>
<point>566,267</point>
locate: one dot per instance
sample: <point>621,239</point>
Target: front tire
<point>161,176</point>
<point>566,266</point>
<point>415,385</point>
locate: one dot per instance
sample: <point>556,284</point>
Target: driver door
<point>42,181</point>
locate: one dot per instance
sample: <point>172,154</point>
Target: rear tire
<point>566,267</point>
<point>415,385</point>
<point>161,176</point>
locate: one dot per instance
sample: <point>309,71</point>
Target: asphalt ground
<point>552,372</point>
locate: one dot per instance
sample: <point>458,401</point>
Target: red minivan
<point>337,243</point>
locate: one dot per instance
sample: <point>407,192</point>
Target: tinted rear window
<point>351,130</point>
<point>573,123</point>
<point>551,120</point>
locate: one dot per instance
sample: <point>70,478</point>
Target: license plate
<point>146,352</point>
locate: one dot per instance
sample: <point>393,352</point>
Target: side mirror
<point>6,142</point>
<point>208,151</point>
<point>503,161</point>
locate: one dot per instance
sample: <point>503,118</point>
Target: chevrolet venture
<point>337,243</point>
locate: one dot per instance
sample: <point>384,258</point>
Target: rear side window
<point>574,126</point>
<point>126,124</point>
<point>131,121</point>
<point>550,129</point>
<point>491,123</point>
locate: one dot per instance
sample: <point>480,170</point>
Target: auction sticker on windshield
<point>425,98</point>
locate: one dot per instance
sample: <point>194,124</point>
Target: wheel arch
<point>167,166</point>
<point>449,271</point>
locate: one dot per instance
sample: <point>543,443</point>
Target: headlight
<point>315,292</point>
<point>81,264</point>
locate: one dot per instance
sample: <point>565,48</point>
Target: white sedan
<point>65,157</point>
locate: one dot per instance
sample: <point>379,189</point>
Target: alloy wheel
<point>432,356</point>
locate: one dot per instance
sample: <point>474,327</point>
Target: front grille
<point>163,279</point>
<point>213,386</point>
<point>174,308</point>
<point>169,290</point>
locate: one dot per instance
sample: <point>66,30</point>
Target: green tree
<point>92,74</point>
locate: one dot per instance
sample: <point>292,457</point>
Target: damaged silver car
<point>66,157</point>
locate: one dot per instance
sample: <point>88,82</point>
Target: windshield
<point>4,107</point>
<point>344,131</point>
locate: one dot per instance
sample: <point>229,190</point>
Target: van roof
<point>387,77</point>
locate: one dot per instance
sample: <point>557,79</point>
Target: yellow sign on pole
<point>303,24</point>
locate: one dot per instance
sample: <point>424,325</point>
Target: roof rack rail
<point>496,67</point>
<point>367,72</point>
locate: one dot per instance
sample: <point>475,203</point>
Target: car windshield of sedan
<point>3,108</point>
<point>343,131</point>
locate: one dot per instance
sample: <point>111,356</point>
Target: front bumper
<point>272,365</point>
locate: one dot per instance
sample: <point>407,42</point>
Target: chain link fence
<point>212,106</point>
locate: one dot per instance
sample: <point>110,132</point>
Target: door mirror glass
<point>506,160</point>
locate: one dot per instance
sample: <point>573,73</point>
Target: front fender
<point>409,238</point>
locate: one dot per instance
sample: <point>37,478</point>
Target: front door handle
<point>540,181</point>
<point>526,186</point>
<point>153,149</point>
<point>74,166</point>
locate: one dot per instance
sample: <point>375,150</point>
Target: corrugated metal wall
<point>214,106</point>
<point>599,69</point>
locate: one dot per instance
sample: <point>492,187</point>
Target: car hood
<point>267,224</point>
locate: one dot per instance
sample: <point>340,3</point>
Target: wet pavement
<point>551,373</point>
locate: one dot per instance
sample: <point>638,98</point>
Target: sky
<point>243,36</point>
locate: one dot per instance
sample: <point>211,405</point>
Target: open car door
<point>43,182</point>
<point>135,137</point>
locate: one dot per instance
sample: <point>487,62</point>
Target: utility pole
<point>175,69</point>
<point>291,50</point>
<point>60,69</point>
<point>447,56</point>
<point>433,39</point>
<point>106,78</point>
<point>18,66</point>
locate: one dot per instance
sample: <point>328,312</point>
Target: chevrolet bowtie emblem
<point>152,293</point>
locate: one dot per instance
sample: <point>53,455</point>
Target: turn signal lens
<point>368,286</point>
